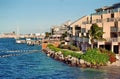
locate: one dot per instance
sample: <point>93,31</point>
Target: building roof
<point>76,20</point>
<point>108,7</point>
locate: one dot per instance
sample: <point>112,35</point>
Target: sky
<point>38,16</point>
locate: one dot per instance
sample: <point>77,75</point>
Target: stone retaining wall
<point>71,61</point>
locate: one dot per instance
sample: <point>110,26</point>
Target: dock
<point>28,41</point>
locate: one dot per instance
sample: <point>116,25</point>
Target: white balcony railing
<point>80,39</point>
<point>102,20</point>
<point>113,39</point>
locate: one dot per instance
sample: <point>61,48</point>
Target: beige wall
<point>119,24</point>
<point>95,17</point>
<point>106,29</point>
<point>100,24</point>
<point>117,14</point>
<point>106,25</point>
<point>88,27</point>
<point>106,16</point>
<point>78,23</point>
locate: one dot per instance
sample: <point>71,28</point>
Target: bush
<point>61,46</point>
<point>73,54</point>
<point>49,45</point>
<point>65,52</point>
<point>95,57</point>
<point>70,47</point>
<point>53,48</point>
<point>112,57</point>
<point>65,46</point>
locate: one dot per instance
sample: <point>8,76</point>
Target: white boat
<point>28,39</point>
<point>18,41</point>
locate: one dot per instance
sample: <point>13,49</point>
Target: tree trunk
<point>92,45</point>
<point>92,42</point>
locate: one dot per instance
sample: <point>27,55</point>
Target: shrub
<point>112,57</point>
<point>60,46</point>
<point>49,45</point>
<point>70,47</point>
<point>74,48</point>
<point>73,54</point>
<point>65,46</point>
<point>65,52</point>
<point>95,57</point>
<point>53,48</point>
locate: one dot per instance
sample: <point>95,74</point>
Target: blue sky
<point>37,16</point>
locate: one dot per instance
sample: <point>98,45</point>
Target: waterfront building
<point>57,31</point>
<point>8,35</point>
<point>107,17</point>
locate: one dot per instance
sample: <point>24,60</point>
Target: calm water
<point>21,63</point>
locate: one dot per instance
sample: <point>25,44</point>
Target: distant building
<point>57,31</point>
<point>8,35</point>
<point>108,18</point>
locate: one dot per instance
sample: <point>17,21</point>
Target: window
<point>83,30</point>
<point>113,35</point>
<point>101,16</point>
<point>77,27</point>
<point>112,15</point>
<point>118,9</point>
<point>87,20</point>
<point>115,23</point>
<point>91,19</point>
<point>119,34</point>
<point>113,29</point>
<point>108,20</point>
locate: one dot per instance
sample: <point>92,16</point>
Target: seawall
<point>71,61</point>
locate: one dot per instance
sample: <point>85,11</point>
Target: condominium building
<point>107,17</point>
<point>57,31</point>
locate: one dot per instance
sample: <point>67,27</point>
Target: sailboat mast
<point>17,32</point>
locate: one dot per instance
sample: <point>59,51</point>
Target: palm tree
<point>47,34</point>
<point>64,35</point>
<point>95,33</point>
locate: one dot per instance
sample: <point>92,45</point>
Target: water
<point>23,64</point>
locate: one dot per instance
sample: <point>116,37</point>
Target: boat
<point>20,41</point>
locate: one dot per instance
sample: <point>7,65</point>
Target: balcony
<point>113,39</point>
<point>102,20</point>
<point>83,30</point>
<point>119,29</point>
<point>80,39</point>
<point>113,29</point>
<point>110,19</point>
<point>106,11</point>
<point>86,22</point>
<point>77,27</point>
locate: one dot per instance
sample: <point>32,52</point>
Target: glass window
<point>83,30</point>
<point>112,15</point>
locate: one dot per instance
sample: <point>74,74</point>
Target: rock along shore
<point>71,61</point>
